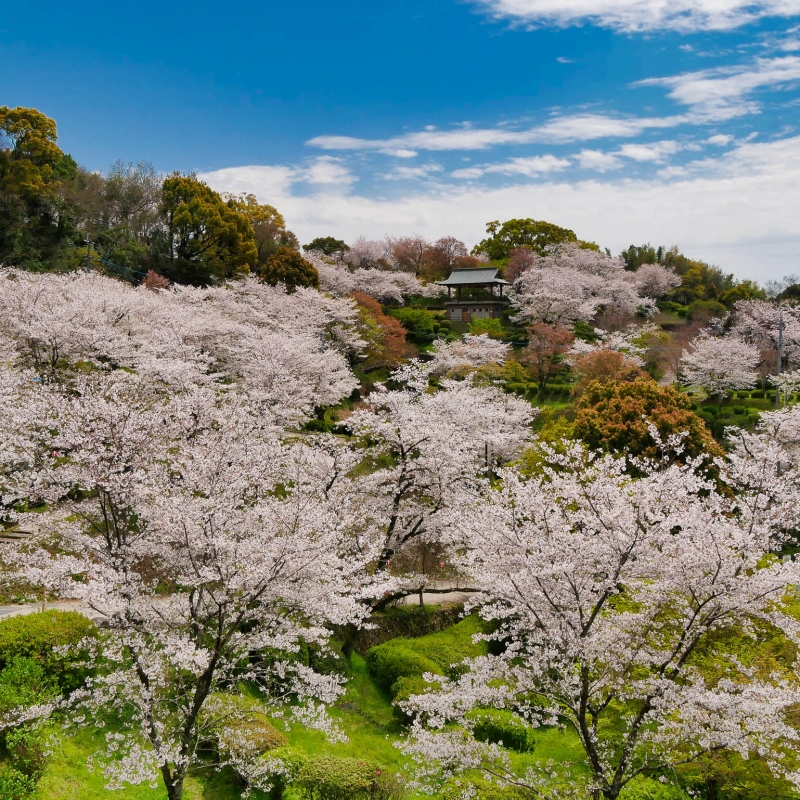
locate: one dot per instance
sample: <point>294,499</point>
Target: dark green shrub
<point>330,778</point>
<point>743,395</point>
<point>327,661</point>
<point>739,410</point>
<point>27,749</point>
<point>38,636</point>
<point>317,426</point>
<point>713,410</point>
<point>499,726</point>
<point>445,325</point>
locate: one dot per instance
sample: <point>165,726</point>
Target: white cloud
<point>740,212</point>
<point>598,161</point>
<point>327,170</point>
<point>641,15</point>
<point>654,151</point>
<point>532,167</point>
<point>720,140</point>
<point>412,173</point>
<point>570,128</point>
<point>563,60</point>
<point>720,94</point>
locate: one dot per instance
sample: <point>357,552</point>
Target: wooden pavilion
<point>479,294</point>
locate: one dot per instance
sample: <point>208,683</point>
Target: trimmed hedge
<point>480,789</point>
<point>436,653</point>
<point>281,767</point>
<point>37,636</point>
<point>330,778</point>
<point>499,726</point>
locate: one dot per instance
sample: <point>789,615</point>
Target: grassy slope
<point>364,713</point>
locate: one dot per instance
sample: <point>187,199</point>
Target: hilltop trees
<point>289,268</point>
<point>32,167</point>
<point>536,235</point>
<point>208,238</point>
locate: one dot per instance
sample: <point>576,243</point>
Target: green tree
<point>289,268</point>
<point>269,227</point>
<point>209,238</point>
<point>536,235</point>
<point>327,245</point>
<point>33,229</point>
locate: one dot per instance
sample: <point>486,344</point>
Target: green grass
<point>364,713</point>
<point>68,776</point>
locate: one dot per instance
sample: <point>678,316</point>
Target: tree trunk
<point>173,782</point>
<point>711,789</point>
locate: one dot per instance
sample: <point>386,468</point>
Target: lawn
<point>364,713</point>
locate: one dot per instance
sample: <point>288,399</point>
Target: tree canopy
<point>537,235</point>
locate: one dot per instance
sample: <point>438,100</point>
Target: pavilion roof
<point>474,276</point>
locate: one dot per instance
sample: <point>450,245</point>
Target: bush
<point>38,636</point>
<point>326,661</point>
<point>24,682</point>
<point>27,749</point>
<point>396,659</point>
<point>743,395</point>
<point>330,778</point>
<point>240,727</point>
<point>402,689</point>
<point>713,410</point>
<point>415,320</point>
<point>492,327</point>
<point>435,653</point>
<point>280,769</point>
<point>499,726</point>
<point>14,785</point>
<point>480,789</point>
<point>642,788</point>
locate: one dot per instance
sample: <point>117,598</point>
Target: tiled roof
<point>473,276</point>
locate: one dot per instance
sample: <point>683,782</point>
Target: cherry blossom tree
<point>656,280</point>
<point>383,284</point>
<point>437,446</point>
<point>471,351</point>
<point>616,600</point>
<point>572,284</point>
<point>719,364</point>
<point>211,548</point>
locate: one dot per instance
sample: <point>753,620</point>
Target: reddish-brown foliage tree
<point>603,366</point>
<point>155,281</point>
<point>519,260</point>
<point>545,344</point>
<point>385,336</point>
<point>613,416</point>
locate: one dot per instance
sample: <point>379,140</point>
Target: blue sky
<point>670,121</point>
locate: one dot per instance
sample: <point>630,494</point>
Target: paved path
<point>14,610</point>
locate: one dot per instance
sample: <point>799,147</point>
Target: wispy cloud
<point>412,173</point>
<point>641,15</point>
<point>559,130</point>
<point>723,93</point>
<point>564,60</point>
<point>530,167</point>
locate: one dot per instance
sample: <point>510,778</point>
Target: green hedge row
<point>329,778</point>
<point>436,653</point>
